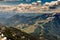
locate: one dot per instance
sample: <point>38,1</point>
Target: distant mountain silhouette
<point>17,19</point>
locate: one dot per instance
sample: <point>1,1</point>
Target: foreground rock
<point>14,34</point>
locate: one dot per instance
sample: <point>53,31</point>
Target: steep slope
<point>52,28</point>
<point>46,26</point>
<point>15,34</point>
<point>49,29</point>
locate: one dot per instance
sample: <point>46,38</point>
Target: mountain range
<point>41,25</point>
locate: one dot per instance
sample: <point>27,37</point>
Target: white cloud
<point>51,3</point>
<point>58,0</point>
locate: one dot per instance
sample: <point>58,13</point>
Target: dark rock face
<point>52,28</point>
<point>15,34</point>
